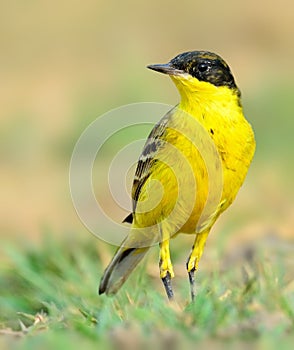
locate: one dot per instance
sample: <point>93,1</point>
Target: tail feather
<point>119,269</point>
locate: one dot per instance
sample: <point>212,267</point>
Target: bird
<point>190,170</point>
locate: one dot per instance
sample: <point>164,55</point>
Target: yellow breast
<point>209,147</point>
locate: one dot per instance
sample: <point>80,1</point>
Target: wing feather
<point>148,157</point>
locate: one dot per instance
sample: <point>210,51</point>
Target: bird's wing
<point>148,158</point>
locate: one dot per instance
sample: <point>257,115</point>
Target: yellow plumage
<point>192,166</point>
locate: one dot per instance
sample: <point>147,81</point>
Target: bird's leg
<point>192,263</point>
<point>166,268</point>
<point>191,275</point>
<point>167,285</point>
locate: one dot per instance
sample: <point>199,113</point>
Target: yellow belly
<point>198,173</point>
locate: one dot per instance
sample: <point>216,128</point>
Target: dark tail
<point>120,267</point>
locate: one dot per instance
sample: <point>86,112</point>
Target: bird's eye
<point>202,67</point>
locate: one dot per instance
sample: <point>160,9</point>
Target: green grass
<point>49,300</point>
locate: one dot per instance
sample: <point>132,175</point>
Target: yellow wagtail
<point>173,183</point>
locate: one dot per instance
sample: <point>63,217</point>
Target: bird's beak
<point>166,69</point>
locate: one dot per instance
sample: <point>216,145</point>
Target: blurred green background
<point>64,63</point>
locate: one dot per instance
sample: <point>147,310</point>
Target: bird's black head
<point>203,65</point>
